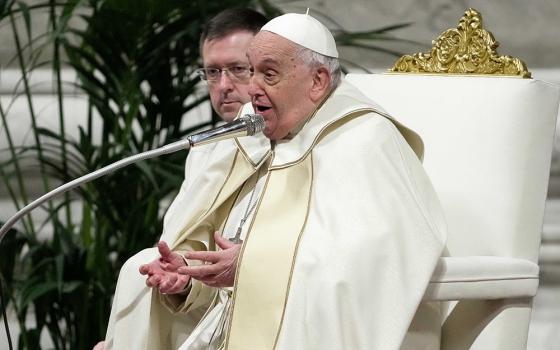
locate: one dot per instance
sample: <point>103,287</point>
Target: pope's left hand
<point>219,267</point>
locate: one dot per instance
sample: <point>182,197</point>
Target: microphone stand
<point>246,125</point>
<point>172,147</point>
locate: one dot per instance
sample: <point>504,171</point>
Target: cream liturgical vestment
<point>339,251</point>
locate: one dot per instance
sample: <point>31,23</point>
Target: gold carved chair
<point>488,133</point>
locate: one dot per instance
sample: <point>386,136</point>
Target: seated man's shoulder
<point>370,128</point>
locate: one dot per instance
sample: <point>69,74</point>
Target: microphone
<point>247,125</point>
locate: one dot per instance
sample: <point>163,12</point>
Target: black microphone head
<point>254,122</point>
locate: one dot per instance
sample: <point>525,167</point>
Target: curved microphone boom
<point>247,125</point>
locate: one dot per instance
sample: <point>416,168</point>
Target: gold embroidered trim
<point>467,49</point>
<point>241,253</point>
<point>296,251</point>
<point>320,134</point>
<point>242,150</point>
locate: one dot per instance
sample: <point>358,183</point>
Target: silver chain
<point>237,239</point>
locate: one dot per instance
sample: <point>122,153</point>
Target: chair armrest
<point>482,277</point>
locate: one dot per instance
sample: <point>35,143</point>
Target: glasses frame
<point>242,76</point>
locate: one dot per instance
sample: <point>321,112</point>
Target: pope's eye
<point>271,77</point>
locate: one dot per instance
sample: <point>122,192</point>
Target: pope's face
<point>280,84</point>
<point>228,93</point>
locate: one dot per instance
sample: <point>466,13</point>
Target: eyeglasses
<point>235,73</point>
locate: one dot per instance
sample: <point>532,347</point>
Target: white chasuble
<point>342,244</point>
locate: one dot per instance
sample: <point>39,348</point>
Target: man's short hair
<point>230,21</point>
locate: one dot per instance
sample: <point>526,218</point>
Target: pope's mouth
<point>260,109</point>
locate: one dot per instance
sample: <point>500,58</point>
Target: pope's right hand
<point>162,272</point>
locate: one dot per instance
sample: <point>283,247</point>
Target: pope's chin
<point>268,133</point>
<point>268,130</point>
<point>274,133</point>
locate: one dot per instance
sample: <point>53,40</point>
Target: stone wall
<point>527,29</point>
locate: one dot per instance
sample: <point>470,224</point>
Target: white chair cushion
<point>482,277</point>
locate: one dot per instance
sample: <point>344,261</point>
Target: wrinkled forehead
<point>270,46</point>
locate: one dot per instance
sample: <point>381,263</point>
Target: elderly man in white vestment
<point>320,234</point>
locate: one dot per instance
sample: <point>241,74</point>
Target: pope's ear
<point>321,84</point>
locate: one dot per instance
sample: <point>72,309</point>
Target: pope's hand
<point>162,273</point>
<point>219,267</point>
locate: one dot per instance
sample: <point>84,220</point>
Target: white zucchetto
<point>304,30</point>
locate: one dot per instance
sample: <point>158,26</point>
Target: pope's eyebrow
<point>267,60</point>
<point>270,61</point>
